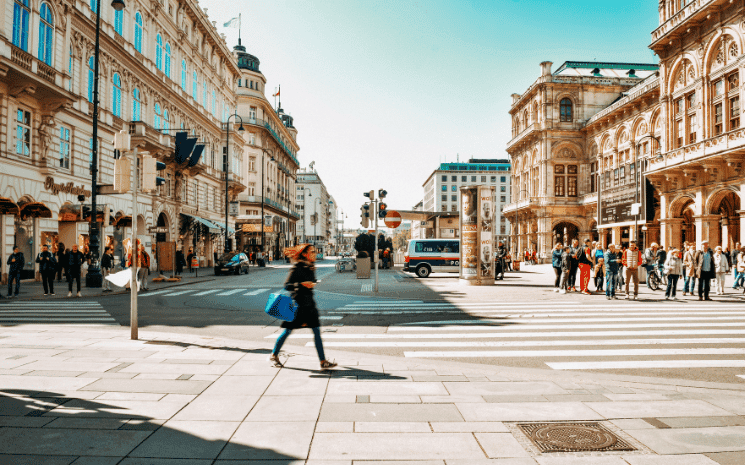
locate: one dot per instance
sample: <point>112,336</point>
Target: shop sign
<point>68,188</point>
<point>254,228</point>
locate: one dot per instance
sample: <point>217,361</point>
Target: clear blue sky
<point>383,91</point>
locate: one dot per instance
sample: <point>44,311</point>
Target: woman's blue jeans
<point>689,284</point>
<point>316,337</point>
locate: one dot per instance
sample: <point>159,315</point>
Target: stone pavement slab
<point>393,446</point>
<point>692,440</point>
<point>217,408</point>
<point>286,408</point>
<point>187,440</point>
<point>68,441</point>
<point>681,408</point>
<point>146,385</point>
<point>389,412</point>
<point>270,441</point>
<point>528,411</point>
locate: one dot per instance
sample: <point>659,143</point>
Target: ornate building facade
<point>671,141</point>
<point>163,68</point>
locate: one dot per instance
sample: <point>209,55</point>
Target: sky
<point>383,91</point>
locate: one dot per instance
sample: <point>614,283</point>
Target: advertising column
<point>476,223</point>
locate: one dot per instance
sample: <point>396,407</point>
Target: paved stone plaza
<point>93,396</point>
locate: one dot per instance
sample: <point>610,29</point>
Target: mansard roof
<point>606,69</point>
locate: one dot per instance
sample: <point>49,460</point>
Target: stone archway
<point>163,222</point>
<point>565,232</point>
<point>725,204</point>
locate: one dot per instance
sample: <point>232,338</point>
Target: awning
<point>71,212</point>
<point>34,210</point>
<point>213,228</point>
<point>222,226</point>
<point>124,221</point>
<point>8,207</point>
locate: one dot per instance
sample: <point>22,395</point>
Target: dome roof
<point>245,60</point>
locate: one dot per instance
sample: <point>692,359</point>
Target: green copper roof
<point>606,65</point>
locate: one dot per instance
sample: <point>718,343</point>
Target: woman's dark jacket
<point>107,261</point>
<point>307,313</point>
<point>74,262</point>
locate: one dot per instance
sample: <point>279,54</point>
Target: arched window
<point>119,21</point>
<point>183,75</point>
<point>565,110</point>
<point>166,121</point>
<point>194,87</point>
<point>46,34</point>
<point>214,104</point>
<point>116,106</point>
<point>136,105</point>
<point>91,64</point>
<point>156,119</point>
<point>168,60</point>
<point>204,94</point>
<point>138,32</point>
<point>159,52</point>
<point>94,6</point>
<point>21,13</point>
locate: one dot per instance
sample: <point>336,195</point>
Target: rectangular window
<point>252,115</point>
<point>483,178</point>
<point>622,175</point>
<point>718,88</point>
<point>593,176</point>
<point>494,179</point>
<point>444,208</point>
<point>503,189</point>
<point>717,119</point>
<point>23,132</point>
<point>734,113</point>
<point>64,147</point>
<point>454,188</point>
<point>679,133</point>
<point>444,197</point>
<point>444,188</point>
<point>473,178</point>
<point>502,198</point>
<point>615,177</point>
<point>679,106</point>
<point>691,100</point>
<point>572,169</point>
<point>454,198</point>
<point>559,186</point>
<point>464,178</point>
<point>572,186</point>
<point>454,208</point>
<point>453,178</point>
<point>444,178</point>
<point>503,179</point>
<point>692,123</point>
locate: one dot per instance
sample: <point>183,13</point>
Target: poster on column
<point>469,219</point>
<point>486,225</point>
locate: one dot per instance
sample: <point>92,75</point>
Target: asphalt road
<point>520,322</point>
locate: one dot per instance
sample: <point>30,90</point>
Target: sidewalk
<point>89,395</point>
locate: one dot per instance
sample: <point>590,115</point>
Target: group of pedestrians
<point>60,263</point>
<point>616,265</point>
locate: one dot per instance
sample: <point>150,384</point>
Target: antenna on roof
<point>458,157</point>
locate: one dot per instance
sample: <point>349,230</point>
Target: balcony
<point>266,125</point>
<point>525,133</point>
<point>27,74</point>
<point>678,24</point>
<point>729,143</point>
<point>255,199</point>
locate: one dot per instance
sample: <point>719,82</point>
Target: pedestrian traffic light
<point>365,215</point>
<point>150,168</point>
<point>85,212</point>
<point>370,195</point>
<point>382,193</point>
<point>382,210</point>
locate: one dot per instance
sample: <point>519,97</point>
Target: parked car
<point>235,263</point>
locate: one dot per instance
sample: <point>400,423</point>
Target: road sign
<point>393,219</point>
<point>158,229</point>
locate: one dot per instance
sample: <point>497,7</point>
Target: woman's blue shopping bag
<point>281,306</point>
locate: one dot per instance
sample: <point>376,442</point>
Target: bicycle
<point>656,278</point>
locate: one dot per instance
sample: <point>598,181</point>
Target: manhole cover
<point>573,437</point>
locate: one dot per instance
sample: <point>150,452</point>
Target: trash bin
<point>363,268</point>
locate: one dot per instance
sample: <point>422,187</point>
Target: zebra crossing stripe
<point>642,364</point>
<point>178,293</point>
<point>149,293</point>
<point>574,353</point>
<point>207,292</point>
<point>560,321</point>
<point>525,334</point>
<point>556,343</point>
<point>256,292</point>
<point>234,291</point>
<point>741,376</point>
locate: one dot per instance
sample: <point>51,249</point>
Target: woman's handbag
<point>281,306</point>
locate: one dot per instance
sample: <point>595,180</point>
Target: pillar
<point>633,236</point>
<point>616,235</point>
<point>724,240</point>
<point>674,231</point>
<point>603,237</point>
<point>707,228</point>
<point>742,226</point>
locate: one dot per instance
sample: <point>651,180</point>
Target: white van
<point>425,256</point>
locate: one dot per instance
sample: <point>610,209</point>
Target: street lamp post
<point>638,176</point>
<point>226,168</point>
<point>94,278</point>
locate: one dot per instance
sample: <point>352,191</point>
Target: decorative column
<point>724,242</point>
<point>742,226</point>
<point>707,228</point>
<point>616,235</point>
<point>673,228</point>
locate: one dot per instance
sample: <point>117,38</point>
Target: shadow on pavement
<point>48,427</point>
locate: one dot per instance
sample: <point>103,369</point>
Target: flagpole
<point>239,33</point>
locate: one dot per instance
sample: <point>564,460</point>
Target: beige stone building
<point>163,67</point>
<point>680,128</point>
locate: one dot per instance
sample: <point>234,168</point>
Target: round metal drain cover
<point>573,437</point>
<point>576,437</point>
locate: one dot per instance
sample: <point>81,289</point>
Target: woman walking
<point>690,270</point>
<point>721,266</point>
<point>673,269</point>
<point>300,282</point>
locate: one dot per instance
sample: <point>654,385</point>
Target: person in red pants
<point>585,265</point>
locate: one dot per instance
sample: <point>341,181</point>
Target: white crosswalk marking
<point>231,292</point>
<point>256,292</point>
<point>563,335</point>
<point>59,312</point>
<point>178,293</point>
<point>207,292</point>
<point>151,293</point>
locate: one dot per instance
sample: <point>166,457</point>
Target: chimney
<point>515,98</point>
<point>546,68</point>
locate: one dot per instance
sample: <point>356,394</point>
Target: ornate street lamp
<point>93,278</point>
<point>227,172</point>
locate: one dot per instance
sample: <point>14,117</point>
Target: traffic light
<point>150,168</point>
<point>122,175</point>
<point>365,215</point>
<point>382,210</point>
<point>85,212</point>
<point>382,193</point>
<point>370,195</point>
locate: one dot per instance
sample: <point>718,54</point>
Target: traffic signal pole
<point>133,327</point>
<point>376,254</point>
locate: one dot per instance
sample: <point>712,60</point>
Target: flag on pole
<point>235,22</point>
<point>277,94</point>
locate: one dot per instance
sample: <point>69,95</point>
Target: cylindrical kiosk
<point>476,236</point>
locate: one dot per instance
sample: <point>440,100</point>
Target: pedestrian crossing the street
<point>76,312</point>
<point>562,335</point>
<point>198,292</point>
